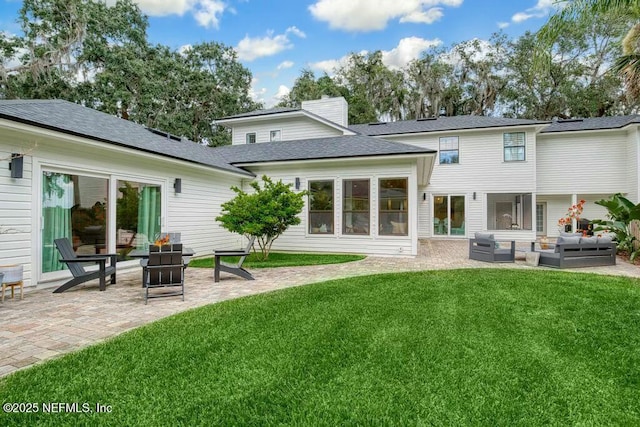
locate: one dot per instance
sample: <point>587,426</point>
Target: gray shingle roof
<point>256,113</point>
<point>74,119</point>
<point>440,124</point>
<point>317,148</point>
<point>594,123</point>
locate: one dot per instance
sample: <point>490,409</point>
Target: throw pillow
<point>592,239</point>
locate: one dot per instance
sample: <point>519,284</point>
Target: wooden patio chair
<point>164,270</point>
<point>236,268</point>
<point>75,264</point>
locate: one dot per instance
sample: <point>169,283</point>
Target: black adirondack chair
<point>75,264</point>
<point>164,269</point>
<point>236,268</point>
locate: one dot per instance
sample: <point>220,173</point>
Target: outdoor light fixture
<point>177,185</point>
<point>297,183</point>
<point>15,166</point>
<point>474,195</point>
<point>424,196</point>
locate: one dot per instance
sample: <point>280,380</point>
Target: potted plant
<point>11,275</point>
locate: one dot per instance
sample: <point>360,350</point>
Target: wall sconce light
<point>474,195</point>
<point>424,196</point>
<point>177,185</point>
<point>297,183</point>
<point>16,165</point>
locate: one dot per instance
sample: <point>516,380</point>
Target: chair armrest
<point>84,259</point>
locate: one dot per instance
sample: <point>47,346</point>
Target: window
<point>355,206</point>
<point>321,207</point>
<point>275,135</point>
<point>449,152</point>
<point>393,207</point>
<point>509,211</point>
<point>514,147</point>
<point>251,138</point>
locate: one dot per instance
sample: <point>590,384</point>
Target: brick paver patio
<point>45,325</point>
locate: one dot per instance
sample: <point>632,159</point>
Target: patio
<point>45,325</point>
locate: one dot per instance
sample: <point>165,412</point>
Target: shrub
<point>265,213</point>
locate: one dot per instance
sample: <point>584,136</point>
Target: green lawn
<point>460,347</point>
<point>277,259</point>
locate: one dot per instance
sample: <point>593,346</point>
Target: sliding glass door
<point>73,207</point>
<point>449,215</point>
<point>77,207</point>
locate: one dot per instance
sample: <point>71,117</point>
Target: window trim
<point>271,132</point>
<point>344,211</point>
<point>247,135</point>
<point>440,150</point>
<point>332,211</point>
<point>404,211</point>
<point>511,147</point>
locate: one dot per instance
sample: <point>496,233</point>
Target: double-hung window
<point>449,150</point>
<point>251,138</point>
<point>514,147</point>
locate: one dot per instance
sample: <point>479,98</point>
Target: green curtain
<point>149,213</point>
<point>57,201</point>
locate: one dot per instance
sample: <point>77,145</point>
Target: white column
<point>574,222</point>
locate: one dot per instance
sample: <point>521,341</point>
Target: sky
<point>276,40</point>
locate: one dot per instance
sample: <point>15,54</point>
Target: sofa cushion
<point>485,236</point>
<point>565,234</point>
<point>605,239</point>
<point>591,240</point>
<point>567,240</point>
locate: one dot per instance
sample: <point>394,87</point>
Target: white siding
<point>291,129</point>
<point>633,164</point>
<point>481,169</point>
<point>588,162</point>
<point>192,212</point>
<point>298,239</point>
<point>15,206</point>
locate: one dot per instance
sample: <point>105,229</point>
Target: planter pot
<point>544,243</point>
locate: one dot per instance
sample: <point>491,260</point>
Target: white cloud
<point>282,92</point>
<point>540,10</point>
<point>257,93</point>
<point>367,15</point>
<point>407,50</point>
<point>207,13</point>
<point>503,25</point>
<point>252,48</point>
<point>284,65</point>
<point>424,17</point>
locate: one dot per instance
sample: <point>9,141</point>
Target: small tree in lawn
<point>266,213</point>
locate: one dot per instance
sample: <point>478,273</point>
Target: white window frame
<point>275,132</point>
<point>447,140</point>
<point>248,135</point>
<point>511,147</point>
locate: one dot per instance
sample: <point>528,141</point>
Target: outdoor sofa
<point>484,247</point>
<point>577,251</point>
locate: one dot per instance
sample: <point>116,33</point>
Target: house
<point>110,185</point>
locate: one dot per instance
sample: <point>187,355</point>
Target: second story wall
<point>481,161</point>
<point>600,162</point>
<point>300,127</point>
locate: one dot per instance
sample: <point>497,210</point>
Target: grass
<point>460,347</point>
<point>277,259</point>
